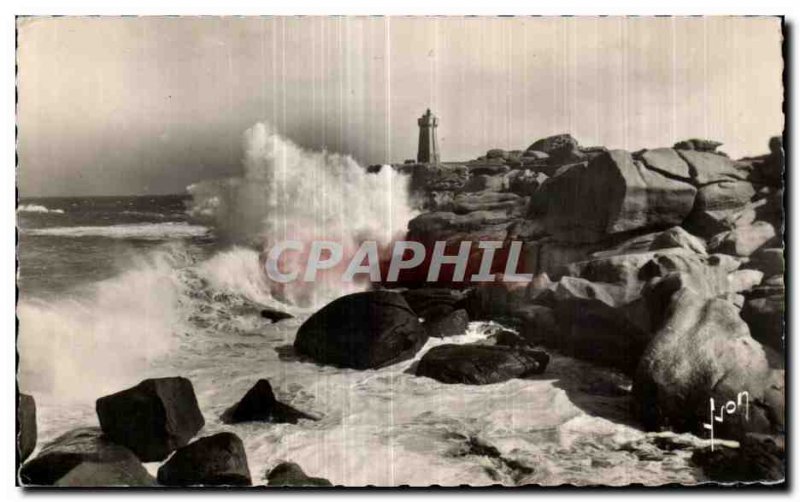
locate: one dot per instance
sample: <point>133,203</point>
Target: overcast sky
<point>150,105</point>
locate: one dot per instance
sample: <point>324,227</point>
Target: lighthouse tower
<point>428,151</point>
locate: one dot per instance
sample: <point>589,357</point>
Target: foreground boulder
<point>85,458</point>
<point>26,431</point>
<point>759,457</point>
<point>217,460</point>
<point>616,193</point>
<point>432,303</point>
<point>361,331</point>
<point>291,474</point>
<point>480,364</point>
<point>260,404</point>
<point>703,351</point>
<point>153,418</point>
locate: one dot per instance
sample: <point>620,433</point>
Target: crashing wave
<point>37,208</point>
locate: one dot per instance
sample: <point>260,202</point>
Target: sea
<point>114,290</point>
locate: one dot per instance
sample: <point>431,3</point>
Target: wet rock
<point>26,426</point>
<point>704,350</point>
<point>259,404</point>
<point>85,458</point>
<point>433,303</point>
<point>275,315</point>
<point>291,474</point>
<point>480,364</point>
<point>616,194</point>
<point>453,324</point>
<point>153,418</point>
<point>759,457</point>
<point>217,460</point>
<point>361,331</point>
<point>743,240</point>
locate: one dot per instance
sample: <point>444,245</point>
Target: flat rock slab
<point>153,418</point>
<point>480,364</point>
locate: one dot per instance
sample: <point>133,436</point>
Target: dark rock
<point>593,325</point>
<point>362,330</point>
<point>85,458</point>
<point>765,318</point>
<point>491,167</point>
<point>432,303</point>
<point>704,350</point>
<point>480,364</point>
<point>448,226</point>
<point>525,182</point>
<point>616,194</point>
<point>483,182</point>
<point>701,145</point>
<point>487,201</point>
<point>217,460</point>
<point>153,418</point>
<point>768,260</point>
<point>26,426</point>
<point>727,194</point>
<point>759,457</point>
<point>538,324</point>
<point>497,153</point>
<point>291,474</point>
<point>259,404</point>
<point>275,315</point>
<point>453,324</point>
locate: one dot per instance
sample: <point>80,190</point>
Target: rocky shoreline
<point>666,264</point>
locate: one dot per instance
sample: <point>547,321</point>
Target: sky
<point>149,105</point>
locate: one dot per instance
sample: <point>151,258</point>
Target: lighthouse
<point>428,151</point>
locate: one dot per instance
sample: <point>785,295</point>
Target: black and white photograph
<point>456,251</point>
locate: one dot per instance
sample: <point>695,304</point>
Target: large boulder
<point>361,331</point>
<point>704,351</point>
<point>707,167</point>
<point>612,194</point>
<point>480,364</point>
<point>85,458</point>
<point>217,460</point>
<point>259,404</point>
<point>291,474</point>
<point>26,426</point>
<point>770,261</point>
<point>668,162</point>
<point>153,418</point>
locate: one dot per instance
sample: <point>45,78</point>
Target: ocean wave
<point>37,208</point>
<point>144,231</point>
